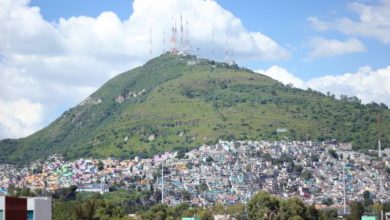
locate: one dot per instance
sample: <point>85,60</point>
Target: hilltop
<point>179,102</point>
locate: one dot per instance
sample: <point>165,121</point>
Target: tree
<point>267,157</point>
<point>205,214</point>
<point>156,212</point>
<point>100,165</point>
<point>237,210</point>
<point>86,210</point>
<point>178,211</point>
<point>367,200</point>
<point>65,194</point>
<point>377,207</point>
<point>328,214</point>
<point>333,154</point>
<point>357,210</point>
<point>297,169</point>
<point>292,207</point>
<point>327,201</point>
<point>312,213</point>
<point>109,210</point>
<point>185,195</point>
<point>218,209</point>
<point>262,205</point>
<point>306,175</point>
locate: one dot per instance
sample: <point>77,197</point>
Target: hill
<point>178,102</point>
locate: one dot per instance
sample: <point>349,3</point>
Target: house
<point>387,216</point>
<point>191,218</point>
<point>34,208</point>
<point>99,188</point>
<point>368,217</point>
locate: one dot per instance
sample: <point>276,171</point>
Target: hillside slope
<point>170,103</point>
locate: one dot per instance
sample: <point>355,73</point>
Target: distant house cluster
<point>227,172</point>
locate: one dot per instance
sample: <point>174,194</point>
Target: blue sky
<point>284,21</point>
<point>54,54</point>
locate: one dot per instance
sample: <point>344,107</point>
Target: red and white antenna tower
<point>187,40</point>
<point>173,37</point>
<point>181,33</point>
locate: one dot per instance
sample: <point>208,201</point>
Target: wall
<point>42,207</point>
<point>15,208</point>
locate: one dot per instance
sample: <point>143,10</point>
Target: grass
<point>185,106</point>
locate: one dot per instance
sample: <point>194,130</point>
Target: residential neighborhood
<point>227,173</point>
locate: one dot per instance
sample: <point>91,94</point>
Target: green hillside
<point>169,103</point>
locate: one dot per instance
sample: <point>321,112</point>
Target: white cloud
<point>54,65</point>
<point>367,84</point>
<point>321,47</point>
<point>20,117</point>
<point>373,21</point>
<point>282,75</point>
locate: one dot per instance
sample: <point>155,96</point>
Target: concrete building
<point>368,217</point>
<point>98,188</point>
<point>36,208</point>
<point>387,216</point>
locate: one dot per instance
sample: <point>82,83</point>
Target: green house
<point>191,218</point>
<point>368,217</point>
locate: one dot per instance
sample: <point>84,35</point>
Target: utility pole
<point>345,197</point>
<point>380,155</point>
<point>379,130</point>
<point>162,181</point>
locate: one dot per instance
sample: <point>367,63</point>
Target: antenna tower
<point>212,43</point>
<point>181,33</point>
<point>163,41</point>
<point>187,39</point>
<point>226,48</point>
<point>150,40</point>
<point>173,37</point>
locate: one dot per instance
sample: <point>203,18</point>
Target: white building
<point>39,208</point>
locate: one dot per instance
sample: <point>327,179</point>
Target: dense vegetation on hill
<point>171,103</point>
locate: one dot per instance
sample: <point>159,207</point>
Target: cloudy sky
<point>53,54</point>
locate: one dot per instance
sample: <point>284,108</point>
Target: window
<point>1,215</point>
<point>30,215</point>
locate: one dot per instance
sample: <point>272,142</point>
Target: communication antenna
<point>226,48</point>
<point>181,33</point>
<point>150,40</point>
<point>187,39</point>
<point>173,37</point>
<point>212,43</point>
<point>163,41</point>
<point>231,56</point>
